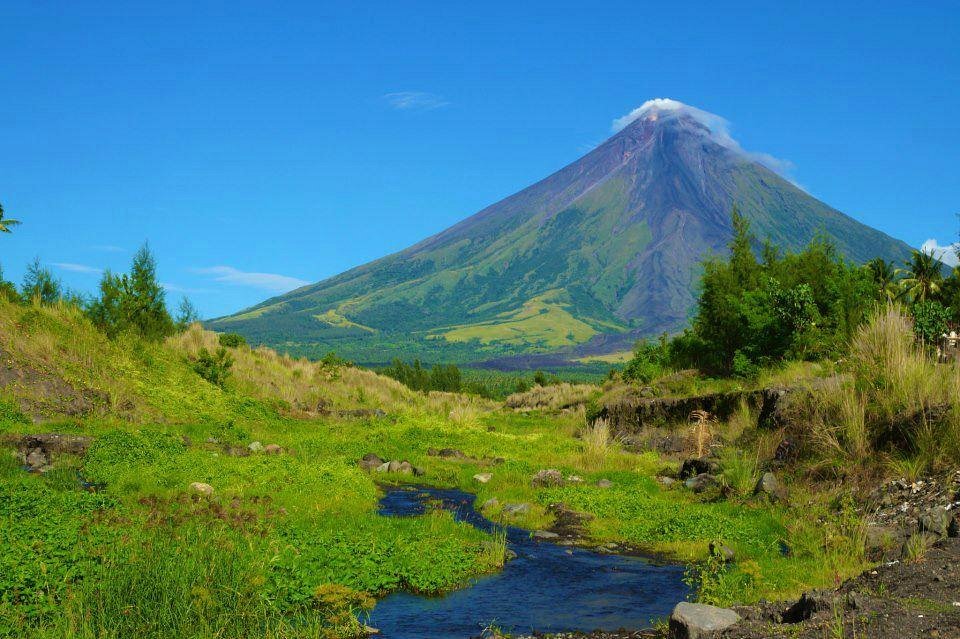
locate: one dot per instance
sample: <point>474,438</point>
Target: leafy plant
<point>930,321</point>
<point>231,340</point>
<point>214,367</point>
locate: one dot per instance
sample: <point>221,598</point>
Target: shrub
<point>215,368</point>
<point>647,362</point>
<point>930,321</point>
<point>231,340</point>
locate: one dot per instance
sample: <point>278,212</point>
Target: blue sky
<point>260,145</point>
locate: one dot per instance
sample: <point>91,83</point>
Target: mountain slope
<point>609,244</point>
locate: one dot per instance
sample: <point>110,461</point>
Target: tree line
<point>755,310</point>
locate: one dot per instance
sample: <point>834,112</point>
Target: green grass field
<point>290,545</point>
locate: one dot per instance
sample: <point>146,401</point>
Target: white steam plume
<point>718,127</point>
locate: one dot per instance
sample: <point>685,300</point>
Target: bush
<point>215,368</point>
<point>647,362</point>
<point>232,340</point>
<point>930,321</point>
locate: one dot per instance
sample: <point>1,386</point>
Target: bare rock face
<point>38,451</point>
<point>700,621</point>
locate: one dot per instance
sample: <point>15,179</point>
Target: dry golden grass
<point>896,402</point>
<point>702,429</point>
<point>61,365</point>
<point>307,387</point>
<point>552,397</point>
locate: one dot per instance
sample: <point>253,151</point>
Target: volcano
<point>603,251</point>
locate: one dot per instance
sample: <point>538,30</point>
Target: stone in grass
<point>255,447</point>
<point>701,482</point>
<point>936,521</point>
<point>516,509</point>
<point>604,483</point>
<point>768,487</point>
<point>724,552</point>
<point>493,502</point>
<point>700,621</point>
<point>544,534</point>
<point>201,488</point>
<point>272,449</point>
<point>547,478</point>
<point>370,461</point>
<point>483,477</point>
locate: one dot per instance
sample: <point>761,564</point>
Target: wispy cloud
<point>415,101</point>
<point>108,248</point>
<point>78,268</point>
<point>176,288</point>
<point>266,281</point>
<point>946,254</point>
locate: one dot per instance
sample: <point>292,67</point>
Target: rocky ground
<point>913,532</point>
<point>897,600</point>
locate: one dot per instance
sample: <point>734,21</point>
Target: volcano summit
<point>602,251</point>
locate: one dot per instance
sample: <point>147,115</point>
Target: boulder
<point>769,488</point>
<point>405,468</point>
<point>575,479</point>
<point>419,471</point>
<point>700,621</point>
<point>723,551</point>
<point>547,478</point>
<point>953,530</point>
<point>483,477</point>
<point>701,482</point>
<point>493,502</point>
<point>370,461</point>
<point>393,466</point>
<point>698,466</point>
<point>272,449</point>
<point>383,468</point>
<point>544,534</point>
<point>516,509</point>
<point>665,481</point>
<point>936,521</point>
<point>255,447</point>
<point>604,483</point>
<point>201,488</point>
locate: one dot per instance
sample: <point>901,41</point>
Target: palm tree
<point>5,224</point>
<point>884,277</point>
<point>924,275</point>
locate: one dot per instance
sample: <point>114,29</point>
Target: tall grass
<point>895,401</point>
<point>553,397</point>
<point>598,443</point>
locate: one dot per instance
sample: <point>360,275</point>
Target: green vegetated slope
<point>116,544</point>
<point>609,244</point>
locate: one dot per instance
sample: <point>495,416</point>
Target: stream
<point>547,588</point>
